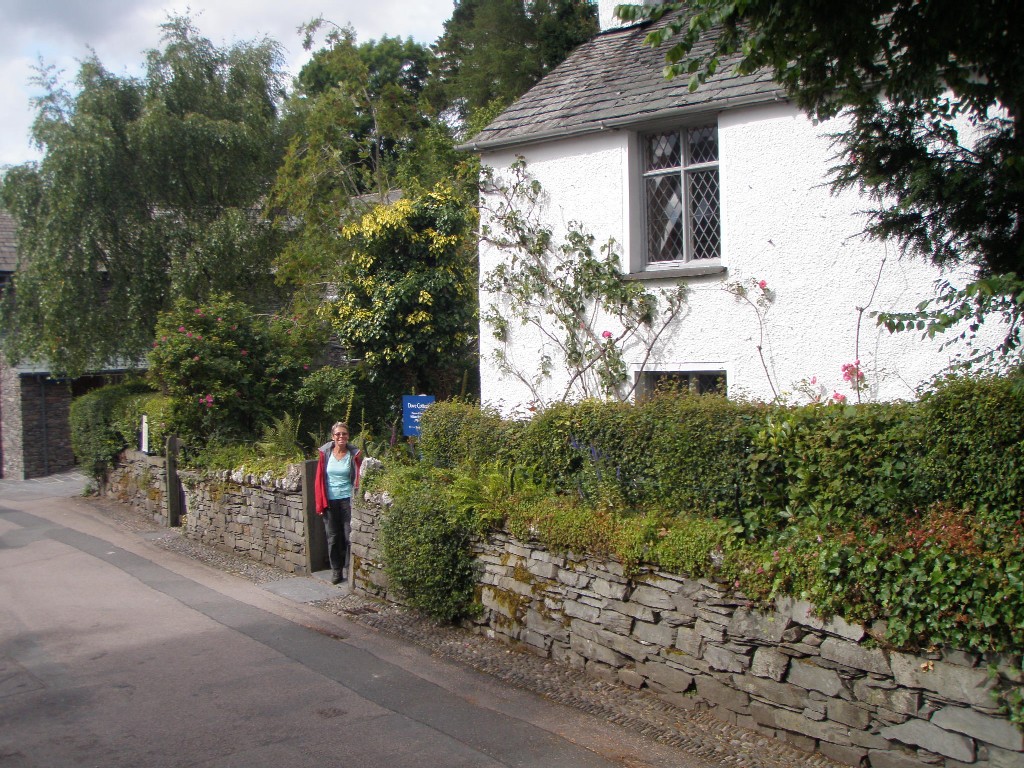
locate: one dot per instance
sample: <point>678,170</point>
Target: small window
<point>681,195</point>
<point>695,382</point>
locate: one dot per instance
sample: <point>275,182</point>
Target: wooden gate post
<point>316,536</point>
<point>172,491</point>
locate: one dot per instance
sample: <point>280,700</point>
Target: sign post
<point>412,411</point>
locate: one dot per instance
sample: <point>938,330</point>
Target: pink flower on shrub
<point>189,334</point>
<point>814,379</point>
<point>852,372</point>
<point>198,337</point>
<point>181,329</point>
<point>156,343</point>
<point>607,334</point>
<point>196,358</point>
<point>198,311</point>
<point>245,352</point>
<point>305,367</point>
<point>838,397</point>
<point>762,284</point>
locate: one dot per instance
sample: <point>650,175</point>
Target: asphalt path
<point>116,652</point>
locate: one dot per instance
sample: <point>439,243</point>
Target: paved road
<point>115,652</point>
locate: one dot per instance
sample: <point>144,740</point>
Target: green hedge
<point>910,512</point>
<point>456,432</point>
<point>102,424</point>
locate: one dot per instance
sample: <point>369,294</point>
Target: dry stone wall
<point>256,517</point>
<point>140,480</point>
<point>824,686</point>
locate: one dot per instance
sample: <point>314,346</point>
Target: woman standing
<point>337,478</point>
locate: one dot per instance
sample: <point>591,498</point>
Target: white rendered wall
<point>781,225</point>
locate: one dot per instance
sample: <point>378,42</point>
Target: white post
<point>144,435</point>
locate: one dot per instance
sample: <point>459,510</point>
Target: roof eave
<point>587,129</point>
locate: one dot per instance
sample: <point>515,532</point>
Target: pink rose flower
<point>181,329</point>
<point>762,284</point>
<point>607,334</point>
<point>838,397</point>
<point>245,352</point>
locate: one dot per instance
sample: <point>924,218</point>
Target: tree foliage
<point>495,50</point>
<point>933,97</point>
<point>405,301</point>
<point>361,132</point>
<point>145,193</point>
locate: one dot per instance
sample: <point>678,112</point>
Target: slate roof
<point>8,243</point>
<point>614,81</point>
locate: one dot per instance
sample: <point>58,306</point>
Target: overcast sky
<point>63,31</point>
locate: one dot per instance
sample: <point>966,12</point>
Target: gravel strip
<point>696,732</point>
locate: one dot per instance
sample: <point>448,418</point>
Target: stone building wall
<point>824,686</point>
<point>34,410</point>
<point>140,480</point>
<point>10,422</point>
<point>256,517</point>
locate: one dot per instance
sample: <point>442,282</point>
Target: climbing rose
<point>607,334</point>
<point>763,284</point>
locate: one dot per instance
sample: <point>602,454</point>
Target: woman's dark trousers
<point>338,524</point>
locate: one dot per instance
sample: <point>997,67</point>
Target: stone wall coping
<point>291,482</point>
<point>145,458</point>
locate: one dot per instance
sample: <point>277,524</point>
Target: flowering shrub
<point>406,300</point>
<point>228,370</point>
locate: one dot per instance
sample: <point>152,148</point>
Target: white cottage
<point>720,189</point>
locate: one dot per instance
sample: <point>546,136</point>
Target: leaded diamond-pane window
<point>681,195</point>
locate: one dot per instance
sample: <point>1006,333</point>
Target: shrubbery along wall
<point>825,686</point>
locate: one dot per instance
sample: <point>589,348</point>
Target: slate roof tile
<point>613,81</point>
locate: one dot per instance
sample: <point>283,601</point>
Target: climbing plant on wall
<point>572,294</point>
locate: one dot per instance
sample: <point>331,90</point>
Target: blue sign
<point>412,411</point>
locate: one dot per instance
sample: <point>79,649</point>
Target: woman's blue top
<point>339,476</point>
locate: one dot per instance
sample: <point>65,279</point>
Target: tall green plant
<point>94,420</point>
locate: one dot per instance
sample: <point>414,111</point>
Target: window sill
<point>695,270</point>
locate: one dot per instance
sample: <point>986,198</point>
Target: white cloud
<point>62,32</point>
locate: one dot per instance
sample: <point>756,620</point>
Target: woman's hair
<point>337,424</point>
